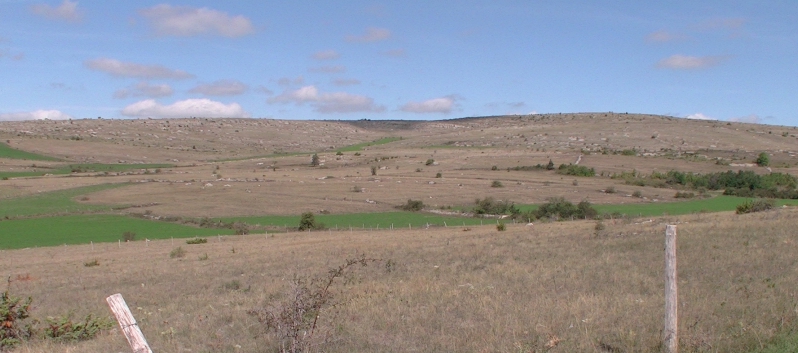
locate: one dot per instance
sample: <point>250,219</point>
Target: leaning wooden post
<point>671,336</point>
<point>128,324</point>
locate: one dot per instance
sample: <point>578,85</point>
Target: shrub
<point>197,241</point>
<point>559,208</point>
<point>610,190</point>
<point>429,162</point>
<point>576,170</point>
<point>177,252</point>
<point>496,184</point>
<point>550,166</point>
<point>763,160</point>
<point>128,236</point>
<point>63,329</point>
<point>240,228</point>
<point>494,168</point>
<point>490,206</point>
<point>314,160</point>
<point>438,175</point>
<point>501,226</point>
<point>412,205</point>
<point>308,222</point>
<point>755,206</point>
<point>92,263</point>
<point>629,152</point>
<point>684,195</point>
<point>13,311</point>
<point>357,189</point>
<point>296,320</point>
<point>357,153</point>
<point>373,170</point>
<point>637,194</point>
<point>339,153</point>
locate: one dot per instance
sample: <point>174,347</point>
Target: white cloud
<point>185,108</point>
<point>265,90</point>
<point>372,35</point>
<point>123,69</point>
<point>145,89</point>
<point>67,11</point>
<point>684,62</point>
<point>345,82</point>
<point>436,105</point>
<point>753,119</point>
<point>326,55</point>
<point>335,102</point>
<point>186,21</point>
<point>328,69</point>
<point>663,37</point>
<point>699,116</point>
<point>36,115</point>
<point>220,88</point>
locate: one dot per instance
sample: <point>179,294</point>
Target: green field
<point>13,153</point>
<point>82,229</point>
<point>360,146</point>
<point>59,202</point>
<point>84,168</point>
<point>366,220</point>
<point>715,204</point>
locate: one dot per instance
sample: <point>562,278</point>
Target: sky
<point>411,60</point>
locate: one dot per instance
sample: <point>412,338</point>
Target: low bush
<point>177,253</point>
<point>559,208</point>
<point>576,170</point>
<point>64,329</point>
<point>308,222</point>
<point>128,236</point>
<point>684,195</point>
<point>501,226</point>
<point>92,263</point>
<point>496,184</point>
<point>429,162</point>
<point>491,206</point>
<point>412,205</point>
<point>13,313</point>
<point>197,241</point>
<point>755,206</point>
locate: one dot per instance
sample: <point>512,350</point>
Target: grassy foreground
<point>12,153</point>
<point>554,287</point>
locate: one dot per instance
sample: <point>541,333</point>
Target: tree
<point>550,166</point>
<point>373,170</point>
<point>314,161</point>
<point>308,221</point>
<point>763,160</point>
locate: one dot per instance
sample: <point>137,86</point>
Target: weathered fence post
<point>128,324</point>
<point>671,336</point>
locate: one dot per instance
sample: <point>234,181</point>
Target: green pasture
<point>54,202</point>
<point>83,168</point>
<point>12,153</point>
<point>360,146</point>
<point>82,229</point>
<point>365,220</point>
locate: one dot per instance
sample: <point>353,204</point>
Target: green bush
<point>197,241</point>
<point>63,329</point>
<point>128,236</point>
<point>576,170</point>
<point>684,195</point>
<point>308,222</point>
<point>429,162</point>
<point>412,205</point>
<point>490,206</point>
<point>763,160</point>
<point>496,184</point>
<point>13,311</point>
<point>501,226</point>
<point>559,208</point>
<point>755,206</point>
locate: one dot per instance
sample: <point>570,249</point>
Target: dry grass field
<point>551,287</point>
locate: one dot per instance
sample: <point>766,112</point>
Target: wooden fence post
<point>671,336</point>
<point>128,324</point>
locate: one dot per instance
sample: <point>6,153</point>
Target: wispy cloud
<point>144,89</point>
<point>67,11</point>
<point>345,82</point>
<point>730,23</point>
<point>753,119</point>
<point>328,69</point>
<point>334,102</point>
<point>372,35</point>
<point>287,81</point>
<point>685,62</point>
<point>185,108</point>
<point>326,55</point>
<point>395,53</point>
<point>436,105</point>
<point>663,37</point>
<point>220,88</point>
<point>35,115</point>
<point>118,68</point>
<point>186,21</point>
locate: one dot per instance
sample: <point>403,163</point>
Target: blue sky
<point>724,60</point>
